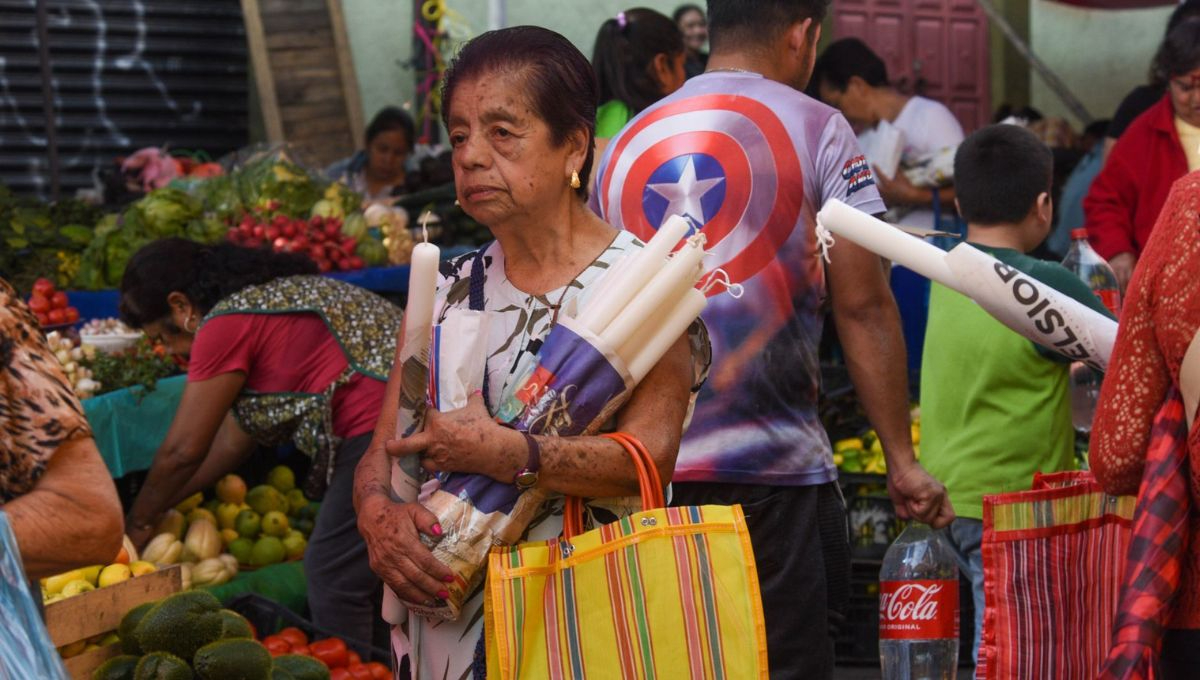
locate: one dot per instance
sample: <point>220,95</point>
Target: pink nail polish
<point>448,579</point>
<point>443,594</point>
<point>437,529</point>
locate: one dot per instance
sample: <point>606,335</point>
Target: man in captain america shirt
<point>749,160</point>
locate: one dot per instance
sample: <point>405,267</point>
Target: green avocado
<point>117,668</point>
<point>236,659</point>
<point>129,622</point>
<point>162,666</point>
<point>181,624</point>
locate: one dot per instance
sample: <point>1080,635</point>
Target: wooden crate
<point>99,611</point>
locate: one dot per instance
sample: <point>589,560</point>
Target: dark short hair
<point>1184,11</point>
<point>624,56</point>
<point>681,10</point>
<point>999,172</point>
<point>559,82</point>
<point>390,119</point>
<point>1180,50</point>
<point>734,24</point>
<point>205,274</point>
<point>843,60</point>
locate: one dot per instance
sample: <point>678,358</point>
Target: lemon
<point>275,523</point>
<point>282,478</point>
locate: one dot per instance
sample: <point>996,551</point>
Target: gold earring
<point>574,180</point>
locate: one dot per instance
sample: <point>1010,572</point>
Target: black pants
<point>1181,654</point>
<point>344,595</point>
<point>802,554</point>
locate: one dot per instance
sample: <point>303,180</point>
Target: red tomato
<point>302,650</point>
<point>59,300</point>
<point>57,316</point>
<point>357,262</point>
<point>72,314</point>
<point>43,287</point>
<point>379,671</point>
<point>360,672</point>
<point>332,652</point>
<point>294,636</point>
<point>277,645</point>
<point>43,320</point>
<point>339,674</point>
<point>207,170</point>
<point>353,659</point>
<point>39,304</point>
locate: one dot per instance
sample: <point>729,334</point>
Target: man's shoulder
<point>784,101</point>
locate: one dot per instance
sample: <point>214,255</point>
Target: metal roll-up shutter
<point>126,74</point>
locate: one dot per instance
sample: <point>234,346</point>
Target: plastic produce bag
<point>25,647</point>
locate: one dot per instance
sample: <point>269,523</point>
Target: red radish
<point>322,266</point>
<point>232,235</point>
<point>280,243</point>
<point>317,221</point>
<point>317,237</point>
<point>271,233</point>
<point>289,230</point>
<point>356,262</point>
<point>332,229</point>
<point>317,253</point>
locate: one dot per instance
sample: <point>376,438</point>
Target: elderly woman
<point>1160,318</point>
<point>1161,146</point>
<point>520,106</point>
<point>275,354</point>
<point>59,498</point>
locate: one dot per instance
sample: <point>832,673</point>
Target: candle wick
<point>425,226</point>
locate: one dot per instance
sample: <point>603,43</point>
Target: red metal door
<point>934,48</point>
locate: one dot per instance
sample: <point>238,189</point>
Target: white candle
<point>618,288</point>
<point>681,272</point>
<point>667,332</point>
<point>422,288</point>
<point>887,241</point>
<point>645,334</point>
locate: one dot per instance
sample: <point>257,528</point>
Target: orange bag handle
<point>649,483</point>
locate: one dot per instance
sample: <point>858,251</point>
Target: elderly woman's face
<point>505,164</point>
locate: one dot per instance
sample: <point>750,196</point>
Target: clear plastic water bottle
<point>1095,272</point>
<point>918,607</point>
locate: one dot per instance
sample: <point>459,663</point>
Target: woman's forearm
<point>72,516</point>
<point>173,467</point>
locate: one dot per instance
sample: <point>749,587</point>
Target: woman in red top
<point>1160,317</point>
<point>275,354</point>
<point>1129,192</point>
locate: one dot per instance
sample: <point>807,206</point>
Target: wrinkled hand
<point>392,532</point>
<point>896,191</point>
<point>465,440</point>
<point>1123,266</point>
<point>917,495</point>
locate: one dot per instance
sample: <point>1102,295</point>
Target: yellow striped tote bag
<point>665,593</point>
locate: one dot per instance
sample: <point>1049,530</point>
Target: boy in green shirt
<point>995,407</point>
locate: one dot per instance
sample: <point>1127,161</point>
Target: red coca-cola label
<point>918,610</point>
<point>1111,299</point>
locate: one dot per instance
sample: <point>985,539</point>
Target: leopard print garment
<point>38,409</point>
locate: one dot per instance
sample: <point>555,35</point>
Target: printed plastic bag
<point>25,647</point>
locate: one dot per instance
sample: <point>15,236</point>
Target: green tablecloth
<point>130,424</point>
<point>284,583</point>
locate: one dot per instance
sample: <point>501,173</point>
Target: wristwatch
<point>527,477</point>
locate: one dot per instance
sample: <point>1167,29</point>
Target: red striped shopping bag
<point>1053,559</point>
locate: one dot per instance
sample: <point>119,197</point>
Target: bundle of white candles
<point>647,300</point>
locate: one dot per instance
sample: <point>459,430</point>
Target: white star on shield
<point>685,194</point>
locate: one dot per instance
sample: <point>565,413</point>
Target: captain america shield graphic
<point>726,164</point>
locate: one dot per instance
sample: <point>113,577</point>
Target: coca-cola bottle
<point>918,607</point>
<point>1095,272</point>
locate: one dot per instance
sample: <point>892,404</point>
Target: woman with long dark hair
<point>693,24</point>
<point>275,354</point>
<point>638,59</point>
